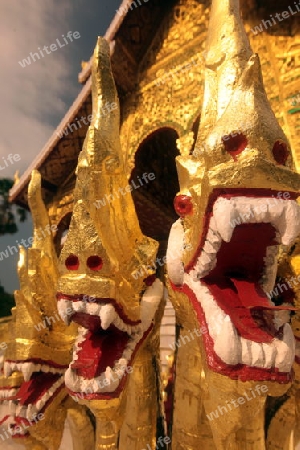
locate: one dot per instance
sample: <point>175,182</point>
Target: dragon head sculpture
<point>42,345</point>
<point>99,287</point>
<point>8,386</point>
<point>237,205</point>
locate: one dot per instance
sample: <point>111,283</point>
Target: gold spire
<point>240,143</point>
<point>104,222</point>
<point>39,331</point>
<point>235,103</point>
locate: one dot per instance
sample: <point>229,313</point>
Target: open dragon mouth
<point>106,343</point>
<point>230,281</point>
<point>5,395</point>
<point>42,383</point>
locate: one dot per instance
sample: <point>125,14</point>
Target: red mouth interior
<point>31,391</point>
<point>100,349</point>
<point>234,282</point>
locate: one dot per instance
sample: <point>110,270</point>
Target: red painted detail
<point>87,321</point>
<point>82,297</point>
<point>280,152</point>
<point>123,380</point>
<point>99,350</point>
<point>150,280</point>
<point>72,262</point>
<point>234,282</point>
<point>94,263</point>
<point>214,362</point>
<point>21,421</point>
<point>19,437</point>
<point>3,420</point>
<point>235,143</point>
<point>229,193</point>
<point>183,205</point>
<point>31,391</point>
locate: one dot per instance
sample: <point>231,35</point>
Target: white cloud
<point>32,97</point>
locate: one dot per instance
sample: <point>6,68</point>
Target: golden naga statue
<point>237,205</point>
<point>118,310</point>
<point>284,428</point>
<point>85,331</point>
<point>40,348</point>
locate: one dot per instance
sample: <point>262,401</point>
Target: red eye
<point>183,205</point>
<point>235,143</point>
<point>280,152</point>
<point>72,262</point>
<point>94,263</point>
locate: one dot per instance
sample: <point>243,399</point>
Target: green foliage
<point>9,213</point>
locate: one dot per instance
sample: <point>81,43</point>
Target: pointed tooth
<point>257,354</point>
<point>285,350</point>
<point>71,380</point>
<point>281,317</point>
<point>79,306</point>
<point>123,362</point>
<point>246,357</point>
<point>206,259</point>
<point>213,229</point>
<point>175,252</point>
<point>150,302</point>
<point>65,310</point>
<point>292,223</point>
<point>109,374</point>
<point>227,344</point>
<point>112,379</point>
<point>93,309</point>
<point>209,248</point>
<point>31,410</point>
<point>7,369</point>
<point>11,407</point>
<point>269,355</point>
<point>27,369</point>
<point>224,213</point>
<point>107,315</point>
<point>39,404</point>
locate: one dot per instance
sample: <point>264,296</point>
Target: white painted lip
<point>27,369</point>
<point>284,216</point>
<point>109,380</point>
<point>233,349</point>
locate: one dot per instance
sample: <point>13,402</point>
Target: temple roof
<point>130,35</point>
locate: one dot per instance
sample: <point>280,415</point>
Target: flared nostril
<point>72,262</point>
<point>235,143</point>
<point>94,263</point>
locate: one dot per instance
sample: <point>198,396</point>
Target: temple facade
<point>163,55</point>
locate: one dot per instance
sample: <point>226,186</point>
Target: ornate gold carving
<point>111,233</point>
<point>234,104</point>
